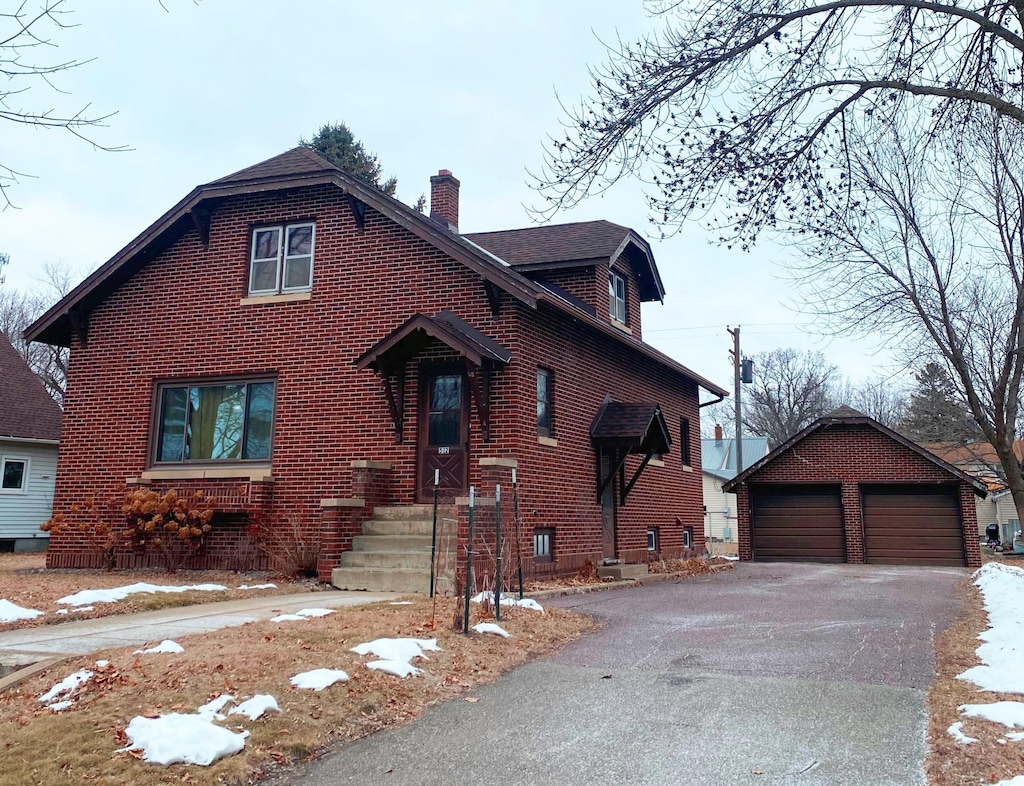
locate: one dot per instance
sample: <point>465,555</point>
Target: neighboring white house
<point>29,435</point>
<point>718,460</point>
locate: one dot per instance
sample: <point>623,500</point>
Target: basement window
<point>281,260</point>
<point>688,538</point>
<point>653,539</point>
<point>543,540</point>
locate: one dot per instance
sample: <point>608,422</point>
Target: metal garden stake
<point>433,534</point>
<point>469,562</point>
<point>497,548</point>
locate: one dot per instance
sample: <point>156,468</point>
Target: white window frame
<point>617,297</point>
<point>25,475</point>
<point>653,539</point>
<point>282,258</point>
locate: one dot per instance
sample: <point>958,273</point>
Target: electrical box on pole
<point>747,371</point>
<point>737,361</point>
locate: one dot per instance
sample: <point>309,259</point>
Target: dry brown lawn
<point>983,762</point>
<point>78,745</point>
<point>26,582</point>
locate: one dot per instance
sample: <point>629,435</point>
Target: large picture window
<point>282,259</point>
<point>224,422</point>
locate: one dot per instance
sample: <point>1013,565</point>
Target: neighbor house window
<point>684,440</point>
<point>282,259</point>
<point>616,297</point>
<point>543,539</point>
<point>653,539</point>
<point>13,475</point>
<point>225,422</point>
<point>544,402</point>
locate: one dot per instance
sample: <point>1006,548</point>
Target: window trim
<point>281,259</point>
<point>11,457</point>
<point>687,537</point>
<point>615,279</point>
<point>156,415</point>
<point>656,532</point>
<point>549,430</point>
<point>544,532</point>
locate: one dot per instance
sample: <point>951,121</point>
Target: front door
<point>607,510</point>
<point>443,432</point>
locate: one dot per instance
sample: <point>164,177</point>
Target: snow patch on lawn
<point>77,608</point>
<point>397,649</point>
<point>956,732</point>
<point>115,594</point>
<point>257,586</point>
<point>212,708</point>
<point>490,627</point>
<point>256,706</point>
<point>185,739</point>
<point>68,685</point>
<point>508,600</point>
<point>318,679</point>
<point>165,646</point>
<point>1008,713</point>
<point>10,612</point>
<point>1002,654</point>
<point>399,668</point>
<point>302,614</point>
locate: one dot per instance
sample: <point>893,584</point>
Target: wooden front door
<point>443,432</point>
<point>607,511</point>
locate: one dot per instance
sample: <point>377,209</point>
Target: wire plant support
<point>433,535</point>
<point>469,562</point>
<point>515,521</point>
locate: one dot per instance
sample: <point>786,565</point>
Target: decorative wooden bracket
<point>493,296</point>
<point>80,325</point>
<point>636,476</point>
<point>201,219</point>
<point>480,387</point>
<point>395,396</point>
<point>359,211</point>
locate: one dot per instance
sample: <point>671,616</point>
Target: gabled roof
<point>847,416</point>
<point>301,167</point>
<point>415,333</point>
<point>718,456</point>
<point>638,427</point>
<point>27,411</point>
<point>570,245</point>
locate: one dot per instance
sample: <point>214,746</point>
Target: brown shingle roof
<point>26,410</point>
<point>554,243</point>
<point>297,161</point>
<point>635,426</point>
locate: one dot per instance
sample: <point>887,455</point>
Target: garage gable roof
<point>847,416</point>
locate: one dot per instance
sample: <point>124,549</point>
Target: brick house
<point>297,343</point>
<point>848,489</point>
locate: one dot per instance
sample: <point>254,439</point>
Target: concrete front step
<point>397,560</point>
<point>405,512</point>
<point>421,527</point>
<point>391,543</point>
<point>381,579</point>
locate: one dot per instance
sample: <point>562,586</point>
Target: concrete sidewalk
<point>85,636</point>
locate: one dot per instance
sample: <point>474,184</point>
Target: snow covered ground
<point>10,612</point>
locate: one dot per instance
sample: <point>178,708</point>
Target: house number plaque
<point>443,450</point>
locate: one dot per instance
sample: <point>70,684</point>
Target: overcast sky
<point>203,90</point>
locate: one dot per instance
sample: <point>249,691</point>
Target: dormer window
<point>282,259</point>
<point>616,297</point>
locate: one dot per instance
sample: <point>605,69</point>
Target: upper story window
<point>282,259</point>
<point>544,402</point>
<point>13,475</point>
<point>230,421</point>
<point>616,297</point>
<point>684,441</point>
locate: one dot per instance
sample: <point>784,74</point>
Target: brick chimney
<point>718,434</point>
<point>444,199</point>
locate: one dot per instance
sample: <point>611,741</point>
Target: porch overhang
<point>389,356</point>
<point>621,429</point>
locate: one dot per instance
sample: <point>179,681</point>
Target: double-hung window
<point>544,402</point>
<point>231,421</point>
<point>13,475</point>
<point>282,259</point>
<point>616,297</point>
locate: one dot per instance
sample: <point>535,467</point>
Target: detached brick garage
<point>848,489</point>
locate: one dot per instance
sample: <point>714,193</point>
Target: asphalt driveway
<point>768,674</point>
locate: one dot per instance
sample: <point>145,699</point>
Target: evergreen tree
<point>338,144</point>
<point>936,412</point>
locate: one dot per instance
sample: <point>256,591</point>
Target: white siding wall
<point>716,521</point>
<point>21,514</point>
<point>999,510</point>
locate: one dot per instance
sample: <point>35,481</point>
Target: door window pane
<point>445,420</point>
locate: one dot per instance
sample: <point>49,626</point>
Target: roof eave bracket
<point>358,211</point>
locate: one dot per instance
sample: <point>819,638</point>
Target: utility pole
<point>735,352</point>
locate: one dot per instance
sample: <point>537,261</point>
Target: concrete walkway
<point>85,636</point>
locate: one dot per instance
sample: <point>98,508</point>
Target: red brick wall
<point>850,455</point>
<point>180,318</point>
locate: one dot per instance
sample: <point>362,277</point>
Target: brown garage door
<point>797,524</point>
<point>912,526</point>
